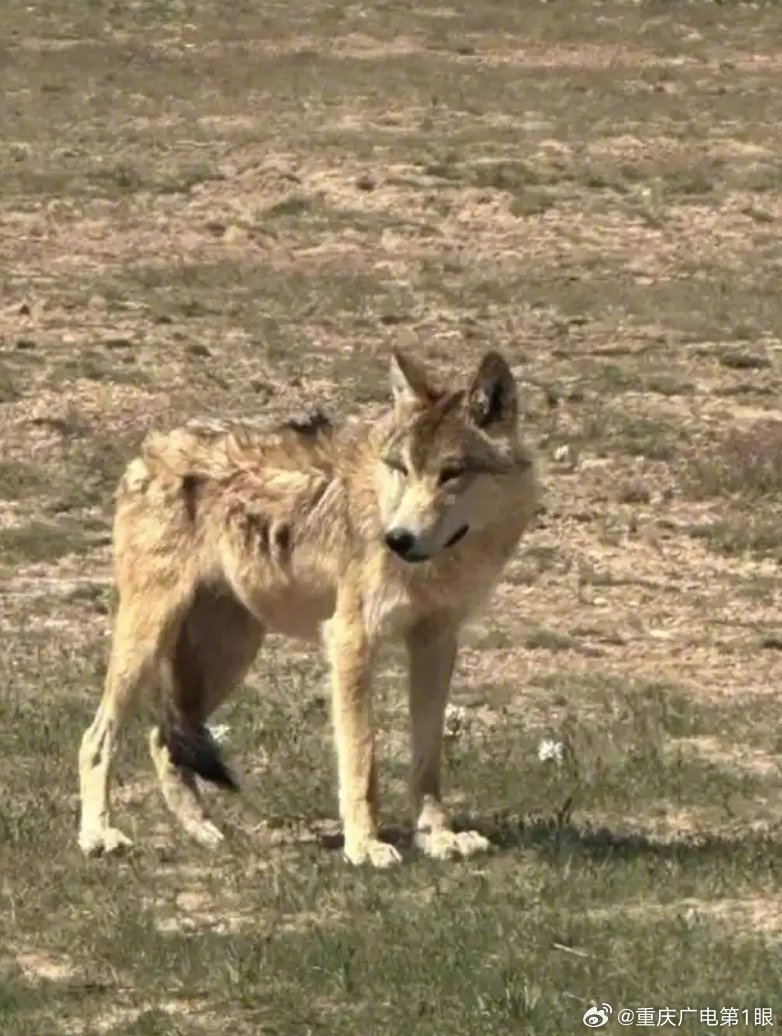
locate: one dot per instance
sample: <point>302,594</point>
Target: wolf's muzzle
<point>403,544</point>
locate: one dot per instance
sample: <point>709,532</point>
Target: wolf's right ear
<point>408,381</point>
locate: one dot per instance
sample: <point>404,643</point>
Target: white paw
<point>442,844</point>
<point>206,834</point>
<point>106,840</point>
<point>372,851</point>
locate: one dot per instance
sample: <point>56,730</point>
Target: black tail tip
<point>311,424</point>
<point>197,750</point>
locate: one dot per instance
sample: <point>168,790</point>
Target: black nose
<point>400,541</point>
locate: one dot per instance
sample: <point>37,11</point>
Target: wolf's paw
<point>206,834</point>
<point>442,844</point>
<point>95,841</point>
<point>372,851</point>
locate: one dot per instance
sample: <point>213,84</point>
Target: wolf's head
<point>452,463</point>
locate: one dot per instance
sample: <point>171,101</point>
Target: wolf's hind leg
<point>141,629</point>
<point>181,794</point>
<point>216,644</point>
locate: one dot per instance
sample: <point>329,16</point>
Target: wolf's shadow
<point>559,842</point>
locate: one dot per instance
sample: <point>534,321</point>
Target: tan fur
<point>222,534</point>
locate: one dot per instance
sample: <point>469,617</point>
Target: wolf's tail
<point>196,749</point>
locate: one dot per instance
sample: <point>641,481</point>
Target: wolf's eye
<point>396,465</point>
<point>451,473</point>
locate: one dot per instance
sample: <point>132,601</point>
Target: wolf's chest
<point>388,610</point>
<point>391,605</point>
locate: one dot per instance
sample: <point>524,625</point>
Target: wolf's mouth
<point>414,559</point>
<point>459,534</point>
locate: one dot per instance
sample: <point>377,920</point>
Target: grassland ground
<point>234,210</point>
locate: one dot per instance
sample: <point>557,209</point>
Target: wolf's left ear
<point>491,400</point>
<point>409,383</point>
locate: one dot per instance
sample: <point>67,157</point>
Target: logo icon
<point>597,1017</point>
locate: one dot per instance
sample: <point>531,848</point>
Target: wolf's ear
<point>408,381</point>
<point>491,400</point>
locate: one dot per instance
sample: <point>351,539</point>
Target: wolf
<point>398,525</point>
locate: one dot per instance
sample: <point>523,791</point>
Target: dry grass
<point>210,210</point>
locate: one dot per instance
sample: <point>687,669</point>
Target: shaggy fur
<point>399,526</point>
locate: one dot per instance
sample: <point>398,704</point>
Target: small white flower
<point>220,732</point>
<point>550,749</point>
<point>455,720</point>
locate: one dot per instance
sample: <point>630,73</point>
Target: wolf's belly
<point>292,611</point>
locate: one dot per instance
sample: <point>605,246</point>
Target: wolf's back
<point>188,453</point>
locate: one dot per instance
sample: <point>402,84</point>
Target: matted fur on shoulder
<point>218,450</point>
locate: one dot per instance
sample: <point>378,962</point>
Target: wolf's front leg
<point>431,646</point>
<point>350,655</point>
